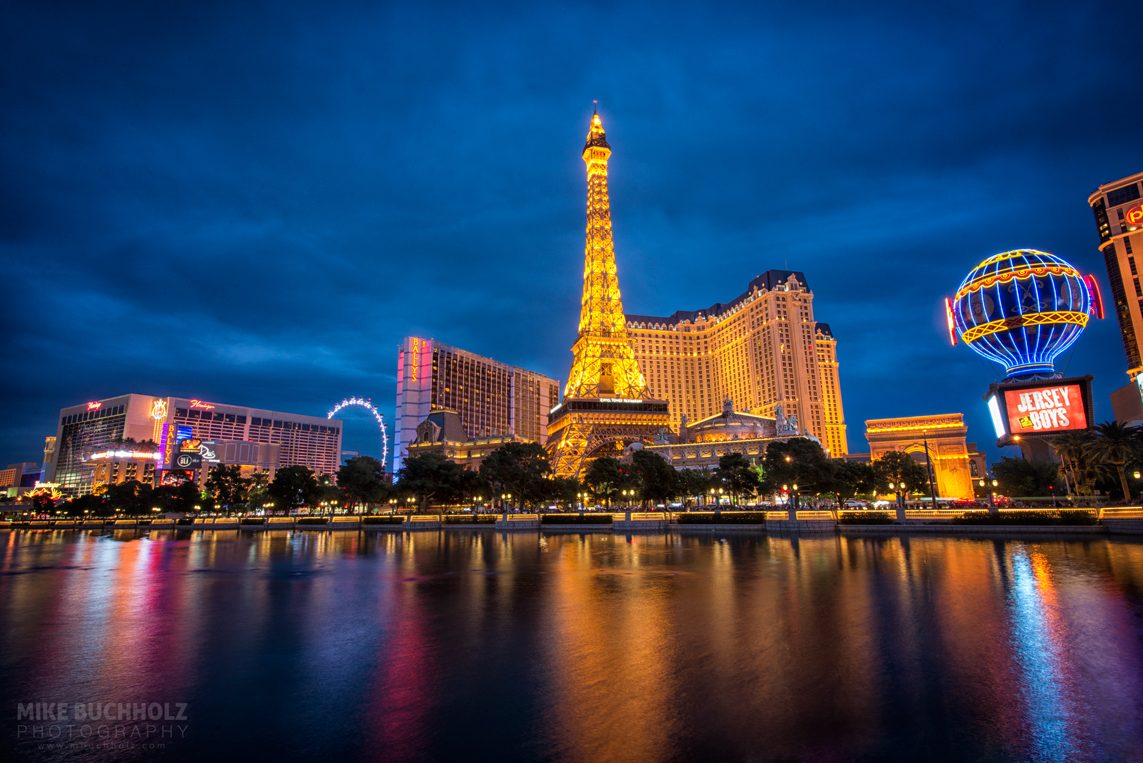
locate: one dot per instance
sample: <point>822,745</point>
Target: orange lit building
<point>954,462</point>
<point>763,349</point>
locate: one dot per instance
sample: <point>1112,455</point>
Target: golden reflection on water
<point>606,647</point>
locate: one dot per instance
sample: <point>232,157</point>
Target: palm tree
<point>1117,444</point>
<point>1074,449</point>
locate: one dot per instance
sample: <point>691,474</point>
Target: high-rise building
<point>1119,219</point>
<point>762,349</point>
<point>607,404</point>
<point>229,434</point>
<point>491,398</point>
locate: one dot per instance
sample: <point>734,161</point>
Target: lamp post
<point>929,469</point>
<point>506,497</point>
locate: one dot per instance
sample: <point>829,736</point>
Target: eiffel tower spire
<point>604,362</point>
<point>605,403</point>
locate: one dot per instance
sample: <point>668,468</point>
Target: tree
<point>1074,449</point>
<point>93,505</point>
<point>227,485</point>
<point>431,476</point>
<point>798,465</point>
<point>1021,478</point>
<point>519,468</point>
<point>257,491</point>
<point>1117,444</point>
<point>851,478</point>
<point>738,475</point>
<point>606,477</point>
<point>292,488</point>
<point>565,490</point>
<point>363,480</point>
<point>130,497</point>
<point>695,482</point>
<point>43,503</point>
<point>899,469</point>
<point>181,498</point>
<point>659,482</point>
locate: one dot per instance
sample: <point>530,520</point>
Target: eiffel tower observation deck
<point>607,404</point>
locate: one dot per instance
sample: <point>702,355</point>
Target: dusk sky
<point>252,203</point>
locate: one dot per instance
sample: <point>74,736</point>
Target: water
<point>567,647</point>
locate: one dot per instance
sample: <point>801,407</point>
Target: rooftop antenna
<point>594,108</point>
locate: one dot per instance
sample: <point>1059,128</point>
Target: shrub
<point>470,519</point>
<point>721,518</point>
<point>864,518</point>
<point>313,520</point>
<point>254,521</point>
<point>1064,517</point>
<point>398,520</point>
<point>576,519</point>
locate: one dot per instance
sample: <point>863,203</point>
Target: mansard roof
<point>771,280</point>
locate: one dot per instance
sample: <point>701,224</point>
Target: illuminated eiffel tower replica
<point>606,405</point>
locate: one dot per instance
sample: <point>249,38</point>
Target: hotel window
<point>1123,195</point>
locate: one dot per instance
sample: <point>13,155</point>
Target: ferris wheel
<point>367,404</point>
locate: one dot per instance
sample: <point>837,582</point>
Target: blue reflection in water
<point>1037,639</point>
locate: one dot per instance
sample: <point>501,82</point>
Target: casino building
<point>1118,208</point>
<point>90,447</point>
<point>491,399</point>
<point>762,349</point>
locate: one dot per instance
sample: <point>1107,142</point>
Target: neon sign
<point>200,404</point>
<point>1096,297</point>
<point>93,406</point>
<point>416,357</point>
<point>1135,215</point>
<point>159,410</point>
<point>123,454</point>
<point>951,320</point>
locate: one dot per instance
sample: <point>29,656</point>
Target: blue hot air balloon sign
<point>1021,309</point>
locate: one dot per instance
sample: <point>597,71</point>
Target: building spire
<point>604,362</point>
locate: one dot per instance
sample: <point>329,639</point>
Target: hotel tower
<point>761,350</point>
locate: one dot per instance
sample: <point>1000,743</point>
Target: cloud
<point>254,204</point>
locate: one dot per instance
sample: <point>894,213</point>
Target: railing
<point>523,517</point>
<point>641,515</point>
<point>815,515</point>
<point>1125,512</point>
<point>773,515</point>
<point>423,518</point>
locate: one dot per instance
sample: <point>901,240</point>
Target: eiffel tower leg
<point>572,448</point>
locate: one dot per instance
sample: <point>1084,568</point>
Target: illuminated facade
<point>442,432</point>
<point>703,443</point>
<point>247,437</point>
<point>954,463</point>
<point>492,399</point>
<point>763,349</point>
<point>1118,211</point>
<point>607,404</point>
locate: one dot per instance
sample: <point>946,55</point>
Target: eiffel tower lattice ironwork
<point>606,403</point>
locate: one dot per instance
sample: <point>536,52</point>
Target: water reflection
<point>585,647</point>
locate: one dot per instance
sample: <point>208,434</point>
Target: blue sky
<point>253,203</point>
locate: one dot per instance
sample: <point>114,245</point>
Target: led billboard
<point>1055,408</point>
<point>1039,408</point>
